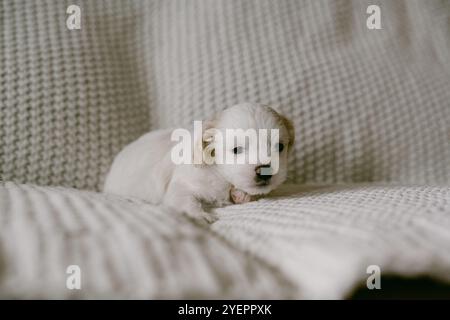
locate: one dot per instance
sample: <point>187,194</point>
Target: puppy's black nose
<point>263,172</point>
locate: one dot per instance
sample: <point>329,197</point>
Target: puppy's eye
<point>280,147</point>
<point>238,150</point>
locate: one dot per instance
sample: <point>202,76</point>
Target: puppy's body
<point>144,169</point>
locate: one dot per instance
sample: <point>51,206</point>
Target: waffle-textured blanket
<point>304,242</point>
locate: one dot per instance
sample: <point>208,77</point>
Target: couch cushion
<point>304,242</point>
<point>367,104</point>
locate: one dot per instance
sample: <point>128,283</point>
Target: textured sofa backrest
<point>367,104</point>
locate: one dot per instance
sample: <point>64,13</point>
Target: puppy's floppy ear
<point>288,125</point>
<point>203,150</point>
<point>290,129</point>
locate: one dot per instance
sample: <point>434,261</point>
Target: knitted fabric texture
<point>368,105</point>
<point>124,248</point>
<point>323,238</point>
<point>312,242</point>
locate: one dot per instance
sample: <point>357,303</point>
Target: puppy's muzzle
<point>263,173</point>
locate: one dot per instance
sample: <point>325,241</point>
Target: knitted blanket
<point>368,105</point>
<point>304,242</point>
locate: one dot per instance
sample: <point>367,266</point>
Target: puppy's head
<point>257,139</point>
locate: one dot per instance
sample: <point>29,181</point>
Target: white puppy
<point>145,168</point>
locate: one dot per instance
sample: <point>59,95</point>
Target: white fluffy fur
<point>144,168</point>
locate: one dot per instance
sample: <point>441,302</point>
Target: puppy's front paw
<point>239,196</point>
<point>203,217</point>
<point>209,217</point>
